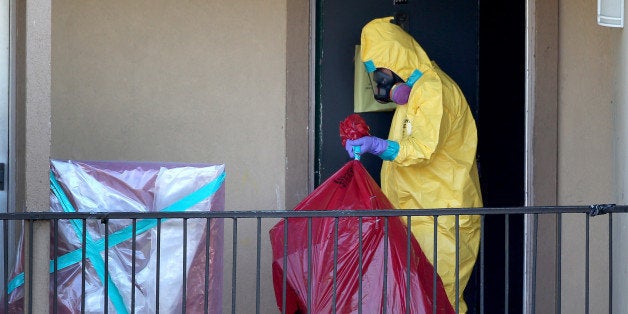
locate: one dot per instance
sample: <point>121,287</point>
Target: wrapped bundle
<point>99,186</point>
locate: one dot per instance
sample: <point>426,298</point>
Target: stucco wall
<point>181,81</point>
<point>585,147</point>
<point>193,81</point>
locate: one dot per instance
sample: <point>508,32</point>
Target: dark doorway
<point>481,45</point>
<point>501,148</point>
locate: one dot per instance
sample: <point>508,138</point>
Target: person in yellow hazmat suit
<point>429,158</point>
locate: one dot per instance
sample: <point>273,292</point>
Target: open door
<point>482,47</point>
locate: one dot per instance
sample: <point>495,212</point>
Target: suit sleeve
<point>425,126</point>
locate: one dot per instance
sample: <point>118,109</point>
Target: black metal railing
<point>141,236</point>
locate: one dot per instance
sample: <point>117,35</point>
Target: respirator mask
<point>382,82</point>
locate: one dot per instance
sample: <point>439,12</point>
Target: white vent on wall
<point>610,13</point>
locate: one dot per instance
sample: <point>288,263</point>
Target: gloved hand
<point>400,93</point>
<point>368,144</point>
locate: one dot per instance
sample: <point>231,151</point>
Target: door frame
<point>541,140</point>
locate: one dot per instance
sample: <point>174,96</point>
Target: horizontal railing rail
<point>80,221</point>
<point>592,210</point>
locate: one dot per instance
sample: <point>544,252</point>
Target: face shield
<point>382,82</point>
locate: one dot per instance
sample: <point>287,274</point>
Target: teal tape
<point>92,251</point>
<point>391,151</point>
<point>15,282</point>
<point>370,66</point>
<point>415,76</point>
<point>92,248</point>
<point>197,196</point>
<point>76,256</point>
<point>356,152</point>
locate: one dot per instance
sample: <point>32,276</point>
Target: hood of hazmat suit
<point>436,163</point>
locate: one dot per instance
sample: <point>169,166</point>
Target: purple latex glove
<point>368,144</point>
<point>400,93</point>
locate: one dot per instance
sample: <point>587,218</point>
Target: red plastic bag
<point>351,188</point>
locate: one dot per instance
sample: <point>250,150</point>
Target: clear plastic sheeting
<point>356,266</point>
<point>99,186</point>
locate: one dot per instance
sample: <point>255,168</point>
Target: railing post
<point>37,274</point>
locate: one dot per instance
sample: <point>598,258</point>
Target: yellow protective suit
<point>436,165</point>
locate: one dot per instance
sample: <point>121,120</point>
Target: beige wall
<point>587,57</point>
<point>192,81</point>
<point>189,81</point>
<point>586,63</point>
